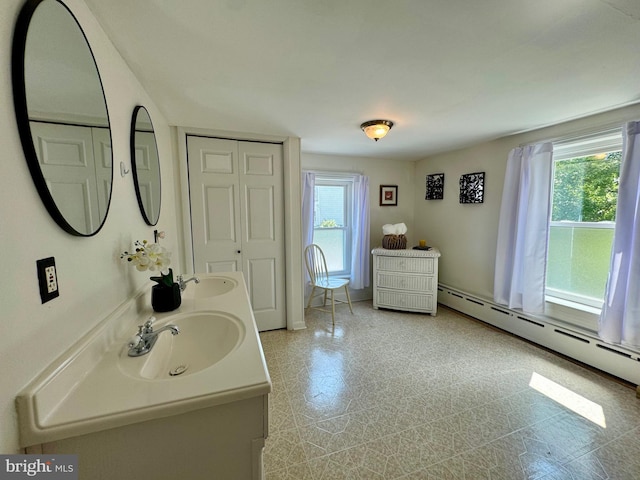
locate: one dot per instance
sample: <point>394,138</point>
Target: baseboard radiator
<point>580,346</point>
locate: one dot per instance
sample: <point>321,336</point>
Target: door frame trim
<point>294,280</point>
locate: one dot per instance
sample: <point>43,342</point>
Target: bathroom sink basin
<point>209,287</point>
<point>205,338</point>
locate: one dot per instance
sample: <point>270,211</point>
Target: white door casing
<point>237,218</point>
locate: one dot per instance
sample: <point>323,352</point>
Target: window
<point>585,192</point>
<point>332,221</point>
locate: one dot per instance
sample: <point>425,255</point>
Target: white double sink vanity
<point>195,406</point>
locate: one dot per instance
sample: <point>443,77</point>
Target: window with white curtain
<point>583,213</point>
<point>332,222</point>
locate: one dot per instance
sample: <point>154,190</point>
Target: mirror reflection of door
<point>76,164</point>
<point>146,165</point>
<point>148,175</point>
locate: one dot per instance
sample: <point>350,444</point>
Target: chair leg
<point>310,297</point>
<point>324,303</point>
<point>346,289</point>
<point>333,308</point>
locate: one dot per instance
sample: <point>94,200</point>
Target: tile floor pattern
<point>389,395</point>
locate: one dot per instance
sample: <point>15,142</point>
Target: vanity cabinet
<point>406,280</point>
<point>224,442</point>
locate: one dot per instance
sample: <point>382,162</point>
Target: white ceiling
<point>449,73</point>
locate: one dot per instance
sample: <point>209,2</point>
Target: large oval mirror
<point>62,116</point>
<point>145,165</point>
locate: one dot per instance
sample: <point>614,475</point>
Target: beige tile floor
<point>387,395</point>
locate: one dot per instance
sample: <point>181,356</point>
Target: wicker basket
<point>394,242</point>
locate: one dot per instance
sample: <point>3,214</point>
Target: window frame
<point>605,141</point>
<point>346,181</point>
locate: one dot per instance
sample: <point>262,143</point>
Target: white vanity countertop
<point>85,391</point>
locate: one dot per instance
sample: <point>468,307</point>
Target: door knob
<point>238,251</point>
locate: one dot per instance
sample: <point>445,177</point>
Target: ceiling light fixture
<point>376,129</point>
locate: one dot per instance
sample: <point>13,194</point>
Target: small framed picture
<point>388,195</point>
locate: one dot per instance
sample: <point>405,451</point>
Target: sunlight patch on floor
<point>569,399</point>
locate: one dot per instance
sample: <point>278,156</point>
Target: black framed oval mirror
<point>145,165</point>
<point>62,116</point>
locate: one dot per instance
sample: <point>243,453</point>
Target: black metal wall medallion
<point>435,187</point>
<point>472,188</point>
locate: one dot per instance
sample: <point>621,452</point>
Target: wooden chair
<point>320,280</point>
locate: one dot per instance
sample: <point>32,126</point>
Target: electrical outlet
<point>47,279</point>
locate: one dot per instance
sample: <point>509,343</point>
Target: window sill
<point>574,313</point>
<point>574,305</point>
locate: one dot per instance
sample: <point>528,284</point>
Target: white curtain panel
<point>521,253</point>
<point>308,202</point>
<point>360,247</point>
<point>620,317</point>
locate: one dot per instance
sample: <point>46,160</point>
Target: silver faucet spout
<point>147,337</point>
<point>172,328</point>
<point>183,283</point>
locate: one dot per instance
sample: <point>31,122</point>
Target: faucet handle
<point>134,341</point>
<point>147,327</point>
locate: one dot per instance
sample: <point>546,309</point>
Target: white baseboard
<point>579,345</point>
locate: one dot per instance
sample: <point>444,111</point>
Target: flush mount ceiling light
<point>376,129</point>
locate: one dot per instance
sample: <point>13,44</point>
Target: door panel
<point>260,208</point>
<point>264,294</point>
<point>237,209</point>
<point>66,155</point>
<point>219,267</point>
<point>213,190</point>
<point>220,214</point>
<point>262,204</point>
<point>104,171</point>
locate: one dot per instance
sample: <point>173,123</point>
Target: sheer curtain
<point>620,317</point>
<point>521,254</point>
<point>360,234</point>
<point>308,201</point>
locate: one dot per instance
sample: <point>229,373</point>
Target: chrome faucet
<point>183,283</point>
<point>146,338</point>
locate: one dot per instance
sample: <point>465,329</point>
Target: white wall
<point>466,234</point>
<point>92,278</point>
<point>380,172</point>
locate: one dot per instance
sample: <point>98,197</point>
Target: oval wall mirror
<point>145,165</point>
<point>62,116</point>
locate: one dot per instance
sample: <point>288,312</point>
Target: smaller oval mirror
<point>145,165</point>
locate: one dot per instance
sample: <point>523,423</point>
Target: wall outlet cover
<point>47,279</point>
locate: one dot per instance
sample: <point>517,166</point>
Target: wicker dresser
<point>406,280</point>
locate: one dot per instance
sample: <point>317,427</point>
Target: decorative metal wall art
<point>472,188</point>
<point>435,187</point>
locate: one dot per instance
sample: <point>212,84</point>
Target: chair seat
<point>331,283</point>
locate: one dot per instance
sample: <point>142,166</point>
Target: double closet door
<point>237,218</point>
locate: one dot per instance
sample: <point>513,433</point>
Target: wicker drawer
<point>405,301</point>
<point>406,264</point>
<point>398,281</point>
